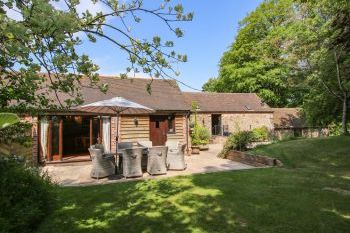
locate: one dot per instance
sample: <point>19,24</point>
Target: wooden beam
<point>60,139</point>
<point>40,151</point>
<point>49,141</point>
<point>100,133</point>
<point>91,130</point>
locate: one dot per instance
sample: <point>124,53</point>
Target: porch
<point>75,174</point>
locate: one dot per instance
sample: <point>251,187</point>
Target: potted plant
<point>200,138</point>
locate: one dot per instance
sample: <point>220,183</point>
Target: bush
<point>242,139</point>
<point>335,129</point>
<point>17,133</point>
<point>200,135</point>
<point>237,141</point>
<point>260,134</point>
<point>26,196</point>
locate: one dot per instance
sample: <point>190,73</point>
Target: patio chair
<point>176,156</point>
<point>156,164</point>
<point>131,163</point>
<point>109,156</point>
<point>101,166</point>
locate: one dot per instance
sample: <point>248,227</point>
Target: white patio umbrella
<point>115,106</point>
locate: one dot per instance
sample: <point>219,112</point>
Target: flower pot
<point>203,147</point>
<point>195,150</point>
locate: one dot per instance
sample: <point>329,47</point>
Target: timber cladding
<point>179,129</point>
<point>134,128</point>
<point>129,131</point>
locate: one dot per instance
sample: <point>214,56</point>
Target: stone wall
<point>203,119</point>
<point>238,121</point>
<point>281,133</point>
<point>254,160</point>
<point>247,121</point>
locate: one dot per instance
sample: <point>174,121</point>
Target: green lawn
<point>310,194</point>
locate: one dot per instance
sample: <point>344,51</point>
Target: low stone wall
<point>254,160</point>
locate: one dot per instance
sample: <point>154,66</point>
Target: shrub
<point>260,134</point>
<point>242,139</point>
<point>200,135</point>
<point>335,129</point>
<point>17,133</point>
<point>26,196</point>
<point>237,141</point>
<point>287,136</point>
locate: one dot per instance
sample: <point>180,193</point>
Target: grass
<point>310,194</point>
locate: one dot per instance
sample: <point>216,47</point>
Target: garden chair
<point>101,166</point>
<point>156,164</point>
<point>176,156</point>
<point>109,156</point>
<point>131,162</point>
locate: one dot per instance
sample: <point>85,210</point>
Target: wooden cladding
<point>137,128</point>
<point>134,128</point>
<point>179,132</point>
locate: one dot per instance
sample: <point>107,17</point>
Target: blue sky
<point>205,39</point>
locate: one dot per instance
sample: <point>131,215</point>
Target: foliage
<point>255,61</point>
<point>293,53</point>
<point>255,200</point>
<point>237,141</point>
<point>242,139</point>
<point>287,136</point>
<point>200,135</point>
<point>17,133</point>
<point>7,119</point>
<point>335,128</point>
<point>260,134</point>
<point>41,35</point>
<point>26,196</point>
<point>317,41</point>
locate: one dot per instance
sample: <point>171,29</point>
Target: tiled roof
<point>288,118</point>
<point>165,94</point>
<point>226,102</point>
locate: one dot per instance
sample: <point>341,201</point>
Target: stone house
<point>66,135</point>
<point>224,113</point>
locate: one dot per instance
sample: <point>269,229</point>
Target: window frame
<point>171,121</point>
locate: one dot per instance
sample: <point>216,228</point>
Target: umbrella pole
<point>117,136</point>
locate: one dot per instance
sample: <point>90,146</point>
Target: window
<point>157,124</point>
<point>171,124</point>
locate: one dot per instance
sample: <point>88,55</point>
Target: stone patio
<point>74,174</point>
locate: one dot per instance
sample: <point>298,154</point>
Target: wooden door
<point>158,130</point>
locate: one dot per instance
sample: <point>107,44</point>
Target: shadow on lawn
<point>268,200</point>
<point>301,199</point>
<point>176,205</point>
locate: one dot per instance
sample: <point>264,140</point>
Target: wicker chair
<point>109,156</point>
<point>101,166</point>
<point>176,156</point>
<point>156,164</point>
<point>132,161</point>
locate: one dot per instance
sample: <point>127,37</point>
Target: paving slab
<point>78,174</point>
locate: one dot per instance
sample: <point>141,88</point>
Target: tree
<point>293,53</point>
<point>43,37</point>
<point>322,37</point>
<point>256,62</point>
